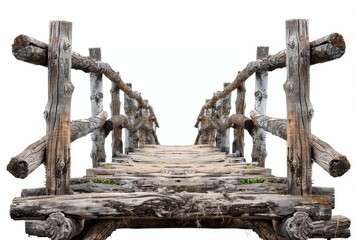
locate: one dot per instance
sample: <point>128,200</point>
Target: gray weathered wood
<point>322,153</point>
<point>261,82</point>
<point>239,136</point>
<point>57,112</point>
<point>131,111</point>
<point>116,136</point>
<point>299,108</point>
<point>224,136</point>
<point>324,49</point>
<point>96,97</point>
<point>33,51</point>
<point>59,227</point>
<point>33,155</point>
<point>297,227</point>
<point>177,205</point>
<point>337,227</point>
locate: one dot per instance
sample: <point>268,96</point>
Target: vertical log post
<point>57,112</point>
<point>205,119</point>
<point>130,107</point>
<point>96,97</point>
<point>115,105</point>
<point>143,134</point>
<point>299,108</point>
<point>225,108</point>
<point>261,82</point>
<point>240,104</point>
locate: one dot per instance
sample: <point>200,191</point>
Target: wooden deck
<point>175,186</point>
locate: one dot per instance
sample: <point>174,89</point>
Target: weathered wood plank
<point>322,153</point>
<point>259,153</point>
<point>33,155</point>
<point>324,49</point>
<point>57,112</point>
<point>177,205</point>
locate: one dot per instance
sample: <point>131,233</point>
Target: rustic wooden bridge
<point>208,184</point>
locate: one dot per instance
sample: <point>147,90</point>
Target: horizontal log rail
<point>322,50</point>
<point>33,155</point>
<point>322,153</point>
<point>33,51</point>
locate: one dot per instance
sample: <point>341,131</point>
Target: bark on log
<point>223,137</point>
<point>322,153</point>
<point>131,110</point>
<point>59,227</point>
<point>33,51</point>
<point>259,153</point>
<point>33,156</point>
<point>115,105</point>
<point>58,109</point>
<point>322,50</point>
<point>182,205</point>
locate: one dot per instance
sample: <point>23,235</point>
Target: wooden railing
<point>139,121</point>
<point>213,121</point>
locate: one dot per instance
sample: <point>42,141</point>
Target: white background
<point>177,54</point>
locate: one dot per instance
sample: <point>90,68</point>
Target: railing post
<point>261,82</point>
<point>224,112</point>
<point>96,97</point>
<point>131,108</point>
<point>240,104</point>
<point>115,106</point>
<point>299,108</point>
<point>58,109</point>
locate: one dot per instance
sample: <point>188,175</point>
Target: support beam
<point>297,227</point>
<point>299,108</point>
<point>239,136</point>
<point>116,136</point>
<point>131,111</point>
<point>57,112</point>
<point>33,155</point>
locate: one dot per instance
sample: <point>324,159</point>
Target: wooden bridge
<point>205,185</point>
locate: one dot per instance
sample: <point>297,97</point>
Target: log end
<point>338,167</point>
<point>18,169</point>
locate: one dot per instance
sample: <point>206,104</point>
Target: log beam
<point>322,153</point>
<point>33,51</point>
<point>59,227</point>
<point>183,205</point>
<point>33,155</point>
<point>297,227</point>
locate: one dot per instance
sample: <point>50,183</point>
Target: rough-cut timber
<point>297,227</point>
<point>324,49</point>
<point>131,110</point>
<point>36,52</point>
<point>259,153</point>
<point>57,112</point>
<point>33,155</point>
<point>96,97</point>
<point>299,108</point>
<point>239,136</point>
<point>223,137</point>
